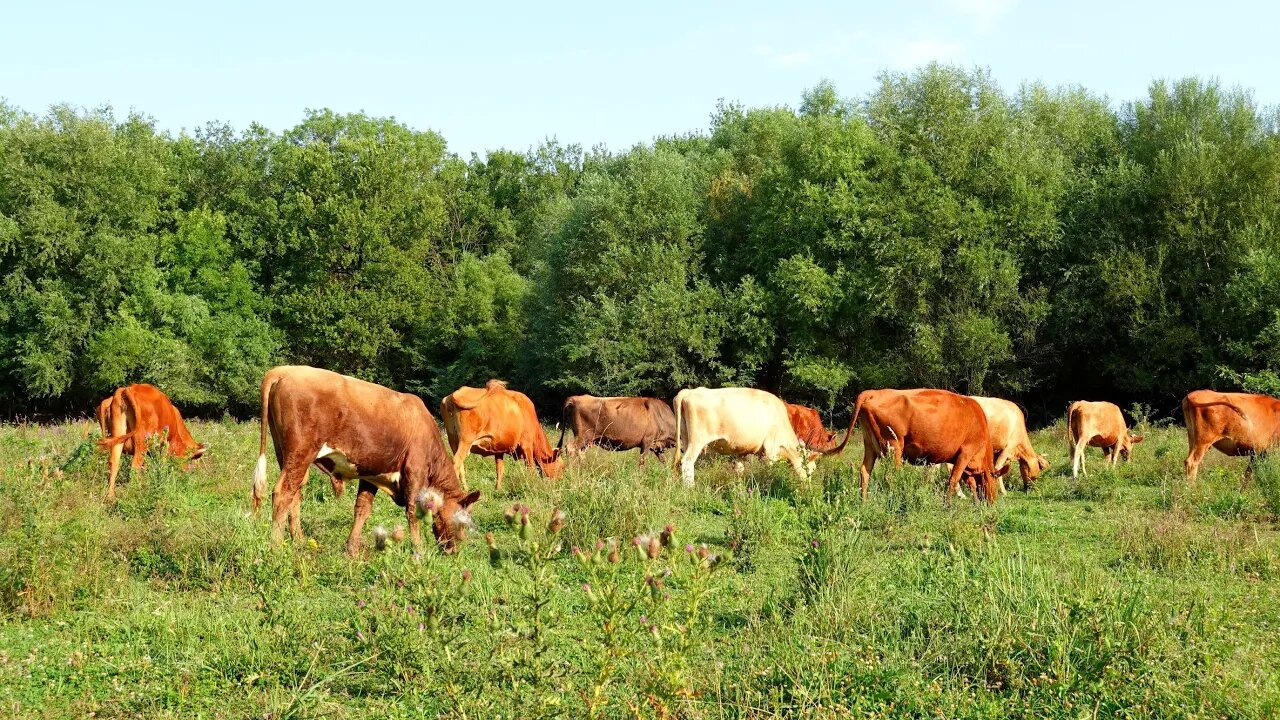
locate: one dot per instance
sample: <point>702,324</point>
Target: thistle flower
<point>510,514</point>
<point>495,555</point>
<point>654,548</point>
<point>428,501</point>
<point>655,586</point>
<point>466,576</point>
<point>614,556</point>
<point>380,535</point>
<point>557,521</point>
<point>398,533</point>
<point>641,543</point>
<point>703,552</point>
<point>668,536</point>
<point>523,532</point>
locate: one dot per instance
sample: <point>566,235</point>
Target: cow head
<point>553,467</point>
<point>1031,468</point>
<point>196,454</point>
<point>451,522</point>
<point>1128,444</point>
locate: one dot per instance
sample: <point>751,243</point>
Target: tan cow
<point>1234,423</point>
<point>494,421</point>
<point>1007,427</point>
<point>734,421</point>
<point>356,430</point>
<point>1098,424</point>
<point>130,416</point>
<point>926,426</point>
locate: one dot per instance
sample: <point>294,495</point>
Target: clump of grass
<point>1266,474</point>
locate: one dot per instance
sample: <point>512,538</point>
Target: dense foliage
<point>1041,244</point>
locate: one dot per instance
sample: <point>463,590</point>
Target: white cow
<point>734,421</point>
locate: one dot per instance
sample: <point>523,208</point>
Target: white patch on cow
<point>343,469</point>
<point>389,482</point>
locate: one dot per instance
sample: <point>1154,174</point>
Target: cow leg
<point>869,455</point>
<point>1195,455</point>
<point>686,463</point>
<point>293,474</point>
<point>953,481</point>
<point>460,464</point>
<point>644,448</point>
<point>1077,459</point>
<point>498,467</point>
<point>364,506</point>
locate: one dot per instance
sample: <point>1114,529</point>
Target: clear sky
<point>491,75</point>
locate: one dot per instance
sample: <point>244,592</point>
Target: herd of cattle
<point>387,440</point>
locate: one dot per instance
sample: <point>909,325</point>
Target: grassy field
<point>1128,594</point>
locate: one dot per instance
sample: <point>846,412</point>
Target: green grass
<point>1127,594</point>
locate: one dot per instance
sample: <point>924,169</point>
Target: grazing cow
<point>1008,429</point>
<point>131,415</point>
<point>618,423</point>
<point>809,428</point>
<point>1235,423</point>
<point>493,421</point>
<point>926,427</point>
<point>356,430</point>
<point>1098,424</point>
<point>734,421</point>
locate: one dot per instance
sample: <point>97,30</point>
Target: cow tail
<point>853,422</point>
<point>1071,435</point>
<point>564,424</point>
<point>260,470</point>
<point>679,416</point>
<point>122,405</point>
<point>1215,403</point>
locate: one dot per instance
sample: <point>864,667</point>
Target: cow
<point>1098,424</point>
<point>494,422</point>
<point>1234,423</point>
<point>618,423</point>
<point>131,415</point>
<point>734,421</point>
<point>809,428</point>
<point>356,430</point>
<point>928,427</point>
<point>1007,427</point>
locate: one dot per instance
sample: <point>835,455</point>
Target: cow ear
<point>1135,439</point>
<point>470,499</point>
<point>1044,464</point>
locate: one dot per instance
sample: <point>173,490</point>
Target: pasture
<point>1126,594</point>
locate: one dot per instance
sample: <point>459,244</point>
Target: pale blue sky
<point>490,75</point>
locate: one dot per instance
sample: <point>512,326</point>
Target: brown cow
<point>130,416</point>
<point>1008,428</point>
<point>930,427</point>
<point>618,423</point>
<point>493,421</point>
<point>1235,423</point>
<point>1098,424</point>
<point>356,430</point>
<point>809,428</point>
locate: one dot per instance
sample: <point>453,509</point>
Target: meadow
<point>1125,594</point>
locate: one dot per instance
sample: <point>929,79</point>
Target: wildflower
<point>466,576</point>
<point>495,555</point>
<point>511,513</point>
<point>586,588</point>
<point>614,556</point>
<point>641,542</point>
<point>360,636</point>
<point>688,547</point>
<point>668,536</point>
<point>814,543</point>
<point>703,552</point>
<point>524,524</point>
<point>655,586</point>
<point>398,533</point>
<point>654,548</point>
<point>380,538</point>
<point>557,521</point>
<point>428,501</point>
<point>360,604</point>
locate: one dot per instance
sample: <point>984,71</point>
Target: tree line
<point>1044,245</point>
